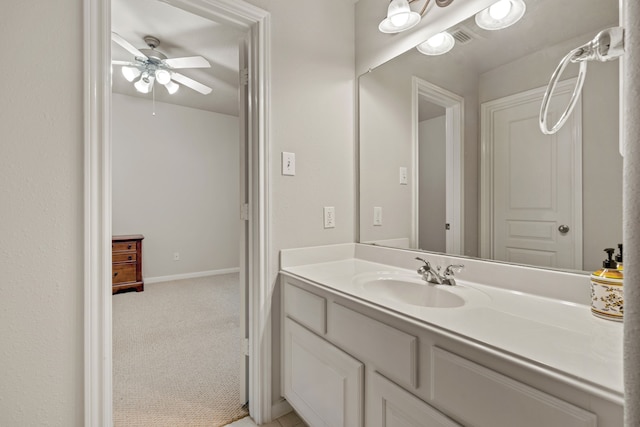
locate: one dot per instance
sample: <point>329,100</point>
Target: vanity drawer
<point>482,397</point>
<point>123,273</point>
<point>391,351</point>
<point>306,308</point>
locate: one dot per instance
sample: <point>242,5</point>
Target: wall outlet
<point>176,256</point>
<point>404,179</point>
<point>288,163</point>
<point>329,217</point>
<point>377,215</point>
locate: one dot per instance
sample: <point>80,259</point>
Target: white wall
<point>41,214</point>
<point>176,181</point>
<point>601,160</point>
<point>41,171</point>
<point>432,181</point>
<point>312,115</point>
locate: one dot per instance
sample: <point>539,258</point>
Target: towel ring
<point>606,46</point>
<point>570,57</point>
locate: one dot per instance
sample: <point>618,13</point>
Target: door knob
<point>563,229</point>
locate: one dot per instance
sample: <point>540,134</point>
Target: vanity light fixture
<point>437,45</point>
<point>501,14</point>
<point>400,17</point>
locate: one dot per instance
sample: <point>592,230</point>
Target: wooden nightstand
<point>126,263</point>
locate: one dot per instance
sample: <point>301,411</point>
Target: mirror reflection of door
<point>432,166</point>
<point>536,190</point>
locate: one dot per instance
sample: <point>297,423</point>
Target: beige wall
<point>176,181</point>
<point>41,170</point>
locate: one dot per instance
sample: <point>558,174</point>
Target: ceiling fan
<point>151,66</point>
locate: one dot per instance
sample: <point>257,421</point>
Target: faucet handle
<point>453,268</point>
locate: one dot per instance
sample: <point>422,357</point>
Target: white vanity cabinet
<point>347,362</point>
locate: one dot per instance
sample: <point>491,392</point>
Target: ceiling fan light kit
<point>151,65</point>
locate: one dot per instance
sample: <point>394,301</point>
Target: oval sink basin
<point>409,292</point>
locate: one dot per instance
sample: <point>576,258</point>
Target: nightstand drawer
<point>123,273</point>
<point>123,246</point>
<point>123,257</point>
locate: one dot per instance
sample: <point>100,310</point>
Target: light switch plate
<point>404,180</point>
<point>377,215</point>
<point>329,217</point>
<point>288,163</point>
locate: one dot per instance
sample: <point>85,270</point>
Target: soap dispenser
<point>606,290</point>
<point>619,257</point>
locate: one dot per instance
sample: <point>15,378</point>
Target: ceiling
<point>181,34</point>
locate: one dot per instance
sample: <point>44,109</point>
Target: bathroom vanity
<point>367,342</point>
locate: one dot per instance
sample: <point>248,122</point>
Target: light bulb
<point>399,19</point>
<point>163,77</point>
<point>437,40</point>
<point>172,87</point>
<point>500,9</point>
<point>130,73</point>
<point>145,84</point>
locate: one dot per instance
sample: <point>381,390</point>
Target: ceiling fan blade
<point>188,82</point>
<point>128,46</point>
<point>127,63</point>
<point>188,62</point>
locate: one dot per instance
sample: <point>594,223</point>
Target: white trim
<point>97,167</point>
<point>487,110</point>
<point>159,279</point>
<point>454,105</point>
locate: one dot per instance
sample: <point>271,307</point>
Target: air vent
<point>461,36</point>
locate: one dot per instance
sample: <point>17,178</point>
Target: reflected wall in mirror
<point>510,193</point>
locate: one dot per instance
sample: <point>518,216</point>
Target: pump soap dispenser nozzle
<point>619,257</point>
<point>606,290</point>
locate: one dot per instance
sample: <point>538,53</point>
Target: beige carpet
<point>176,357</point>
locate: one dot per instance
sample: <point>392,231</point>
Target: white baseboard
<point>280,408</point>
<point>191,275</point>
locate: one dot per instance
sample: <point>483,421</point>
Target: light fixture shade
<point>130,73</point>
<point>163,77</point>
<point>172,87</point>
<point>399,18</point>
<point>437,45</point>
<point>145,84</point>
<point>501,14</point>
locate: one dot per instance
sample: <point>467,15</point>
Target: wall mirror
<point>452,160</point>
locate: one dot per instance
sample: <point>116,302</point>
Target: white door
<point>244,226</point>
<point>537,183</point>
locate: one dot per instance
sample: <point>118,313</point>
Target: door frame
<point>454,118</point>
<point>487,110</point>
<point>98,385</point>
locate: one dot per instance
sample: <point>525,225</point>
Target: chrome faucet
<point>433,276</point>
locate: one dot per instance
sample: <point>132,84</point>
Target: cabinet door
<point>388,405</point>
<point>322,383</point>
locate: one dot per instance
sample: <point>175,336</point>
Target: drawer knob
<point>115,274</point>
<point>129,247</point>
<point>129,256</point>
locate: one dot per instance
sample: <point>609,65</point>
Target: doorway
<point>450,107</point>
<point>98,315</point>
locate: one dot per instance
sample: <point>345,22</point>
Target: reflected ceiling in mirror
<point>519,191</point>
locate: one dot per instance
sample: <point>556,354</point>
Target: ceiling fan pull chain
<point>153,96</point>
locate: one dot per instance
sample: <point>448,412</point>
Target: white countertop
<point>561,336</point>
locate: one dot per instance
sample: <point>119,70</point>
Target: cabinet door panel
<point>321,382</point>
<point>482,397</point>
<point>388,405</point>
